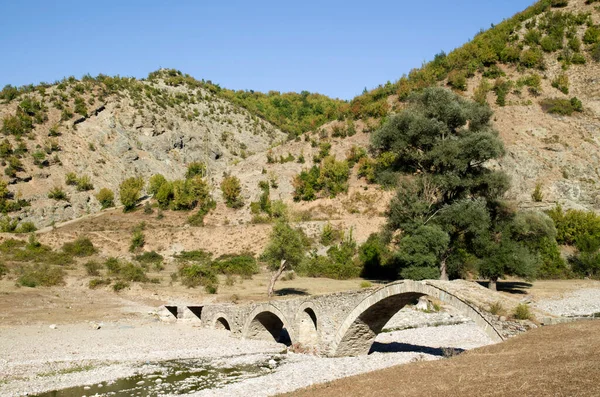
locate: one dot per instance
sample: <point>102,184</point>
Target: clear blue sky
<point>333,47</point>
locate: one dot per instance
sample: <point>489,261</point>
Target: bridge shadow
<point>396,347</point>
<point>511,287</point>
<point>292,291</point>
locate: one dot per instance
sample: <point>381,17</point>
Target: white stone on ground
<point>584,302</point>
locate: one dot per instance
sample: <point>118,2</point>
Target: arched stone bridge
<point>340,324</point>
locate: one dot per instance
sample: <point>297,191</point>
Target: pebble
<point>53,326</point>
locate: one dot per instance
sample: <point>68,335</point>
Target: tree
<point>129,191</point>
<point>286,249</point>
<point>231,188</point>
<point>106,197</point>
<point>450,216</point>
<point>155,182</point>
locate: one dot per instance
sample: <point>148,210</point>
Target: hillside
<point>549,51</point>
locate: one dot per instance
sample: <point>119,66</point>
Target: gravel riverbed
<point>34,359</point>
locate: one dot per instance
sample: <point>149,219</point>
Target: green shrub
<point>574,225</point>
<point>155,183</point>
<point>120,285</point>
<point>496,309</point>
<point>561,106</point>
<point>98,282</point>
<point>92,268</point>
<point>522,312</point>
<point>82,246</point>
<point>330,235</point>
<point>194,275</point>
<point>559,3</point>
<point>137,240</point>
<point>537,195</point>
<point>457,80</point>
<point>533,81</point>
<point>354,155</point>
<point>244,265</point>
<point>84,184</point>
<point>561,83</point>
<point>130,190</point>
<point>231,188</point>
<point>71,179</point>
<point>40,275</point>
<point>3,270</point>
<point>131,272</point>
<point>151,257</point>
<point>57,193</point>
<point>17,125</point>
<point>106,198</point>
<point>26,227</point>
<point>195,168</point>
<point>532,58</point>
<point>366,284</point>
<point>80,107</point>
<point>113,266</point>
<point>532,37</point>
<point>502,88</point>
<point>591,35</point>
<point>578,59</point>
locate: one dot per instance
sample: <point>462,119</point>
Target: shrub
<point>551,43</point>
<point>532,58</point>
<point>194,275</point>
<point>533,81</point>
<point>92,268</point>
<point>330,235</point>
<point>591,35</point>
<point>537,194</point>
<point>82,246</point>
<point>18,125</point>
<point>595,52</point>
<point>502,88</point>
<point>559,3</point>
<point>137,240</point>
<point>231,188</point>
<point>365,284</point>
<point>155,183</point>
<point>113,266</point>
<point>57,193</point>
<point>561,83</point>
<point>522,312</point>
<point>130,190</point>
<point>131,272</point>
<point>496,309</point>
<point>333,176</point>
<point>40,275</point>
<point>106,198</point>
<point>151,257</point>
<point>71,179</point>
<point>3,270</point>
<point>244,265</point>
<point>120,285</point>
<point>561,106</point>
<point>194,169</point>
<point>26,227</point>
<point>98,282</point>
<point>84,184</point>
<point>457,80</point>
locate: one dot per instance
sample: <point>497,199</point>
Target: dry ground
<point>561,360</point>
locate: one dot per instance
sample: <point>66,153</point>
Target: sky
<point>336,48</point>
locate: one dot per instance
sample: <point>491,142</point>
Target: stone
<point>53,326</point>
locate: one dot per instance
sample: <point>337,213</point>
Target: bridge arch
<point>267,322</point>
<point>222,323</point>
<point>358,331</point>
<point>307,326</point>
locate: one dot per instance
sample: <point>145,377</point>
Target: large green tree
<point>448,217</point>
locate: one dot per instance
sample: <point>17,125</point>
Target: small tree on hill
<point>231,188</point>
<point>286,249</point>
<point>130,190</point>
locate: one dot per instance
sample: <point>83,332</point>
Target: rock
<point>272,363</point>
<point>53,326</point>
<point>140,383</point>
<point>159,381</point>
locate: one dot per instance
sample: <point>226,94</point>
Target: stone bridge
<point>339,324</point>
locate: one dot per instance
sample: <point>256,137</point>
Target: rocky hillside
<point>109,129</point>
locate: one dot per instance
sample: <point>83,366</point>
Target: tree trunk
<point>443,270</point>
<point>492,283</point>
<point>276,276</point>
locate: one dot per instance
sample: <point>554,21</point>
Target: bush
<point>561,106</point>
<point>420,273</point>
<point>151,257</point>
<point>532,58</point>
<point>40,275</point>
<point>92,268</point>
<point>106,198</point>
<point>195,169</point>
<point>591,35</point>
<point>137,240</point>
<point>71,179</point>
<point>244,265</point>
<point>194,275</point>
<point>57,193</point>
<point>82,246</point>
<point>537,194</point>
<point>98,282</point>
<point>457,80</point>
<point>333,176</point>
<point>131,272</point>
<point>330,235</point>
<point>3,270</point>
<point>561,83</point>
<point>155,183</point>
<point>366,284</point>
<point>84,184</point>
<point>120,285</point>
<point>130,190</point>
<point>522,312</point>
<point>231,188</point>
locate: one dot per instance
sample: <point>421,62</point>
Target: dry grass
<point>561,360</point>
